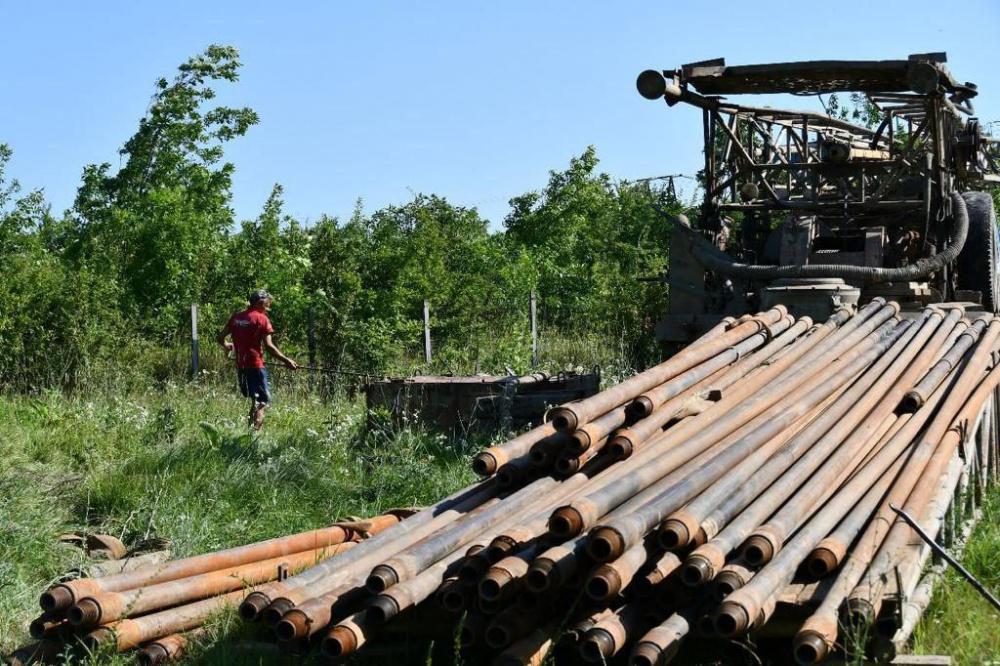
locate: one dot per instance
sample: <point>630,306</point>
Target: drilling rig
<point>815,212</point>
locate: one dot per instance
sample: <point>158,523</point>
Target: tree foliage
<point>142,242</point>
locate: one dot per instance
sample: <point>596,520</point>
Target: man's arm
<point>221,339</point>
<point>273,349</point>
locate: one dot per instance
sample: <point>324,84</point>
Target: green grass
<point>959,622</point>
<point>179,464</point>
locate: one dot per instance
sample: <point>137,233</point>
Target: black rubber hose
<point>716,260</point>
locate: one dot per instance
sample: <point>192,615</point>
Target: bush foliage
<point>111,279</point>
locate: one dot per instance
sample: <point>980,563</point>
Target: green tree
<point>155,229</point>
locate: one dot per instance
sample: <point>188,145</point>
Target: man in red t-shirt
<point>251,330</point>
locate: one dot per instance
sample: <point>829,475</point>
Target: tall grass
<point>179,464</point>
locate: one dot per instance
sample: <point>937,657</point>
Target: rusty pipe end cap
<point>620,446</point>
<point>253,605</point>
<point>566,522</point>
<point>809,648</point>
<point>759,549</point>
<point>826,557</point>
<point>340,642</point>
<point>493,583</point>
<point>645,654</point>
<point>84,613</point>
<point>732,619</point>
<point>56,598</point>
<point>485,464</point>
<point>606,544</point>
<point>564,419</point>
<point>696,571</point>
<point>604,583</point>
<point>597,646</point>
<point>677,531</point>
<point>859,612</point>
<point>381,579</point>
<point>152,655</point>
<point>38,628</point>
<point>497,635</point>
<point>642,406</point>
<point>276,610</point>
<point>293,625</point>
<point>580,441</point>
<point>98,637</point>
<point>382,608</point>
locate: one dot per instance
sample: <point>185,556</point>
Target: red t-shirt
<point>248,329</point>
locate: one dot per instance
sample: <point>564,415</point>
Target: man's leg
<point>262,398</point>
<point>245,380</point>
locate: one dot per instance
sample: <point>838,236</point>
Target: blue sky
<point>473,101</point>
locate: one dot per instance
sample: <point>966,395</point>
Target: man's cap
<point>258,295</point>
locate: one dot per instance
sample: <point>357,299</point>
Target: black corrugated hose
<point>716,260</point>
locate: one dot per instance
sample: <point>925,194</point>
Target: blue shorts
<point>253,384</point>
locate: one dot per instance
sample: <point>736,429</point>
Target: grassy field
<point>178,464</point>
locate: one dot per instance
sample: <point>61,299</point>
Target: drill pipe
<point>557,565</point>
<point>819,632</point>
<point>931,454</point>
<point>132,632</point>
<point>489,460</point>
<point>731,577</point>
<point>386,605</point>
<point>701,432</point>
<point>106,607</point>
<point>597,431</point>
<point>831,452</point>
<point>831,551</point>
<point>347,636</point>
<point>610,634</point>
<point>706,515</point>
<point>612,536</point>
<point>625,441</point>
<point>644,404</point>
<point>305,611</point>
<point>502,579</point>
<point>918,394</point>
<point>737,612</point>
<point>660,644</point>
<point>327,576</point>
<point>412,560</point>
<point>571,416</point>
<point>663,567</point>
<point>610,578</point>
<point>766,540</point>
<point>166,649</point>
<point>64,595</point>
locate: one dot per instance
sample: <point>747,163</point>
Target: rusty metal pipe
<point>667,564</point>
<point>712,510</point>
<point>737,613</point>
<point>817,636</point>
<point>931,455</point>
<point>325,577</point>
<point>610,578</point>
<point>167,649</point>
<point>347,636</point>
<point>557,565</point>
<point>631,522</point>
<point>571,416</point>
<point>596,431</point>
<point>64,595</point>
<point>531,650</point>
<point>107,607</point>
<point>660,644</point>
<point>645,404</point>
<point>609,635</point>
<point>916,396</point>
<point>509,625</point>
<point>489,460</point>
<point>831,453</point>
<point>133,632</point>
<point>700,433</point>
<point>399,598</point>
<point>502,579</point>
<point>768,538</point>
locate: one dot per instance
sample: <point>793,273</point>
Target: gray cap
<point>258,295</point>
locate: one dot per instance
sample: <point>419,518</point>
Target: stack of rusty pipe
<point>161,607</point>
<point>703,496</point>
<point>692,498</point>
